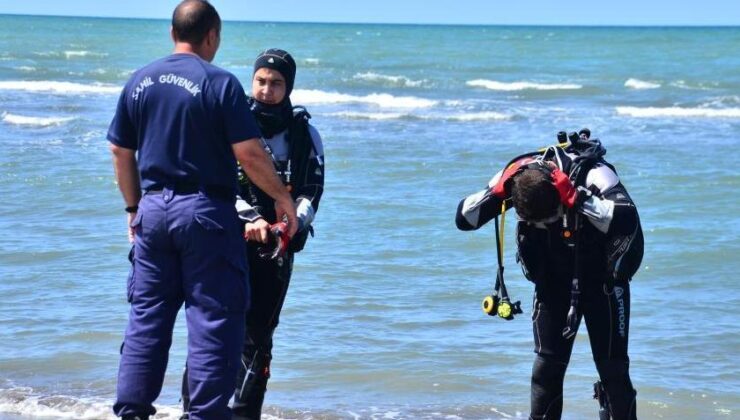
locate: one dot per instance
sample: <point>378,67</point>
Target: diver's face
<point>268,86</point>
<point>547,220</point>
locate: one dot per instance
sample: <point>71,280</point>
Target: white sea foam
<point>26,68</point>
<point>58,87</point>
<point>33,121</point>
<point>514,86</point>
<point>682,84</point>
<point>640,84</point>
<point>384,116</point>
<point>311,61</point>
<point>402,81</point>
<point>652,112</point>
<point>377,116</point>
<point>24,402</point>
<point>75,54</point>
<point>480,116</point>
<point>383,100</point>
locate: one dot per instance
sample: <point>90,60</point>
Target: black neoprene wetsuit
<point>609,251</point>
<point>269,279</point>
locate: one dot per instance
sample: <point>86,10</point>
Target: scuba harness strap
<point>588,153</point>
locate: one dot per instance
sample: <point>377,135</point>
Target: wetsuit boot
<point>251,386</point>
<point>621,395</point>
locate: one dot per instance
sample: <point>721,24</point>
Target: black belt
<point>215,191</point>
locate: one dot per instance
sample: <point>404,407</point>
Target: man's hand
<point>257,231</point>
<point>131,231</point>
<point>286,208</point>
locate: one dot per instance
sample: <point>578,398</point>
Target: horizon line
<point>556,25</point>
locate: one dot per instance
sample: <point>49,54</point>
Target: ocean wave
<point>58,87</point>
<point>514,86</point>
<point>652,112</point>
<point>640,84</point>
<point>397,81</point>
<point>26,68</point>
<point>381,116</point>
<point>23,401</point>
<point>682,84</point>
<point>75,54</point>
<point>33,121</point>
<point>376,116</point>
<point>480,116</point>
<point>383,100</point>
<point>311,61</point>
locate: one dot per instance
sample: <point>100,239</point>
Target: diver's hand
<point>257,231</point>
<point>277,244</point>
<point>131,231</point>
<point>571,323</point>
<point>566,190</point>
<point>286,208</point>
<point>502,189</point>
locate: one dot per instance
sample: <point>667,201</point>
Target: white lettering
<point>141,86</point>
<point>173,79</point>
<point>622,318</point>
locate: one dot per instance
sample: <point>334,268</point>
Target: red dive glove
<point>566,190</point>
<point>279,240</point>
<point>502,189</point>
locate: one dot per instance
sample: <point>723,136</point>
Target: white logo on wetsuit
<point>622,317</point>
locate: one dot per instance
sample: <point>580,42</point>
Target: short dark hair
<point>534,196</point>
<point>193,19</point>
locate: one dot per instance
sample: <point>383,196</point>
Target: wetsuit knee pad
<point>547,388</point>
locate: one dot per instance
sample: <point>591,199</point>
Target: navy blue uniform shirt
<point>182,114</point>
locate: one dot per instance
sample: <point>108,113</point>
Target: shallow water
<point>383,317</point>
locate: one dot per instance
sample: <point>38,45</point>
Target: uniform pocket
<point>208,224</point>
<point>219,264</point>
<point>131,276</point>
<point>239,301</point>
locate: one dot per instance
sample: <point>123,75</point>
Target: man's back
<point>182,114</point>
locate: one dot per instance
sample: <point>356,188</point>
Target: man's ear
<point>212,37</point>
<point>172,34</point>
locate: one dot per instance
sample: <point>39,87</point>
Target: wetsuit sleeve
<point>478,209</point>
<point>121,131</point>
<point>246,211</point>
<point>309,194</point>
<point>608,206</point>
<point>239,123</point>
<point>611,210</point>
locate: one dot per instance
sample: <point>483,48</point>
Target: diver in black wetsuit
<point>580,241</point>
<point>297,152</point>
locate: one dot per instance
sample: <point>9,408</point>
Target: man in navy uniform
<point>179,124</point>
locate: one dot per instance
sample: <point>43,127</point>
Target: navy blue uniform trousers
<point>188,249</point>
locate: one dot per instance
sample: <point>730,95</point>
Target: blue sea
<point>383,317</point>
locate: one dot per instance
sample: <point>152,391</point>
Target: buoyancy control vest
<point>548,251</point>
<point>295,173</point>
